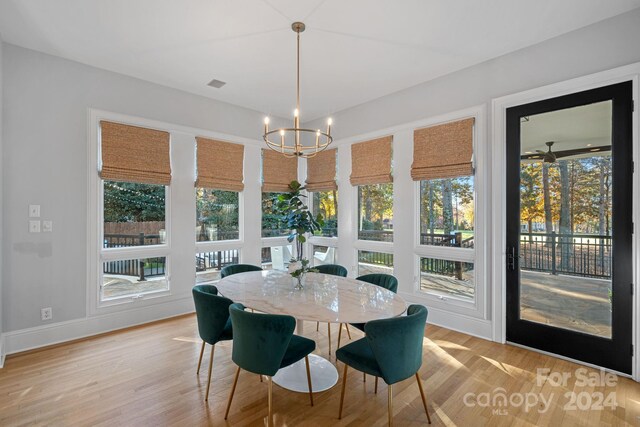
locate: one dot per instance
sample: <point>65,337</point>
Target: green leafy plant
<point>300,268</point>
<point>296,216</point>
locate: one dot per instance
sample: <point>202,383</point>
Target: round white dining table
<point>325,298</point>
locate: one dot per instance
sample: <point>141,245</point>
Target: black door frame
<point>615,353</point>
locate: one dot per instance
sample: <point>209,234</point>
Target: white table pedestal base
<point>294,377</point>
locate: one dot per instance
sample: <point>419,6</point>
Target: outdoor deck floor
<point>569,302</point>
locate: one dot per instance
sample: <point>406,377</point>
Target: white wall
<point>45,162</point>
<point>602,46</point>
<point>1,222</point>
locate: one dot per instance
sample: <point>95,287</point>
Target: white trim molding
<point>55,333</point>
<point>498,165</point>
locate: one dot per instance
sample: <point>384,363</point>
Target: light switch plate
<point>34,211</point>
<point>34,226</point>
<point>47,226</point>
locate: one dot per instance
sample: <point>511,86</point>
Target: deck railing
<point>585,255</point>
<point>153,267</point>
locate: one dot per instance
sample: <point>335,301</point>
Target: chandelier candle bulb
<point>300,142</point>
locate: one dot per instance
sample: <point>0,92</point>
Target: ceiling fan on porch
<point>551,157</point>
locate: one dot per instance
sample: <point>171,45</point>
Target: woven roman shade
<point>278,171</point>
<point>443,151</point>
<point>321,171</point>
<point>134,154</point>
<point>371,162</point>
<point>219,164</point>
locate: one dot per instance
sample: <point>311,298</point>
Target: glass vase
<point>299,282</point>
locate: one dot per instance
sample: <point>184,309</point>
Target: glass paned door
<point>569,231</point>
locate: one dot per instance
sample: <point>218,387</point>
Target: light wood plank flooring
<point>146,376</point>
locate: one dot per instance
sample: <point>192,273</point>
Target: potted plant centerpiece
<point>296,216</point>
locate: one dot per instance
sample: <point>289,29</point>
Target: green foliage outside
<point>585,186</point>
<point>217,214</point>
<point>325,203</point>
<point>447,205</point>
<point>295,214</point>
<point>132,202</point>
<point>272,223</point>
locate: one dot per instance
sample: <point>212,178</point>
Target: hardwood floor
<point>147,376</point>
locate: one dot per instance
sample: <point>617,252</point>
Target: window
<point>374,262</point>
<point>209,264</point>
<point>326,203</point>
<point>216,215</point>
<point>324,255</point>
<point>455,278</point>
<point>271,225</point>
<point>135,174</point>
<point>134,215</point>
<point>447,212</point>
<point>132,277</point>
<point>443,169</point>
<point>276,257</point>
<point>375,212</point>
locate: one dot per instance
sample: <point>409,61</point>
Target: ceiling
<point>571,128</point>
<point>352,51</point>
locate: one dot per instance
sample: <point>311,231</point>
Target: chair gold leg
<point>306,361</point>
<point>339,334</point>
<point>364,377</point>
<point>424,400</point>
<point>200,359</point>
<point>270,421</point>
<point>233,390</point>
<point>375,388</point>
<point>346,325</point>
<point>390,388</point>
<point>344,383</point>
<point>317,326</point>
<point>329,334</point>
<point>260,378</point>
<point>206,397</point>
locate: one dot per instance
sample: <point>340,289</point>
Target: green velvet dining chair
<point>214,323</point>
<point>237,268</point>
<point>265,343</point>
<point>333,270</point>
<point>386,281</point>
<point>391,349</point>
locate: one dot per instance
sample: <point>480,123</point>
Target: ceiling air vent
<point>216,83</point>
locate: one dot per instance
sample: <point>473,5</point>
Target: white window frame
<point>479,306</point>
<point>97,255</point>
<point>331,242</point>
<point>224,245</point>
<point>370,243</point>
<point>357,258</point>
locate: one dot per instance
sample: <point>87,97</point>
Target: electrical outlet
<point>34,211</point>
<point>46,313</point>
<point>34,226</point>
<point>47,226</point>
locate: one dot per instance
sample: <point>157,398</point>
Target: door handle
<point>511,259</point>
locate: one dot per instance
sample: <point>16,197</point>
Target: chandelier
<point>296,141</point>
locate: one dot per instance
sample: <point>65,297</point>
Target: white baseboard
<point>40,336</point>
<point>477,327</point>
<point>460,323</point>
<point>2,347</point>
